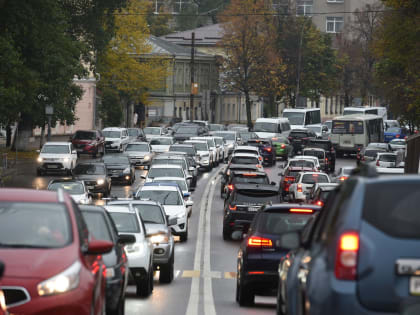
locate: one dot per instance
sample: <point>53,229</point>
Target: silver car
<point>139,154</point>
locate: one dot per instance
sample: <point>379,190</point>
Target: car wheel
<point>279,304</point>
<point>167,270</point>
<point>244,294</point>
<point>145,287</point>
<point>184,236</point>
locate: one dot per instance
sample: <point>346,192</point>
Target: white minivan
<point>267,128</point>
<point>116,139</point>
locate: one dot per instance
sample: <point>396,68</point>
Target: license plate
<point>52,166</point>
<point>347,142</point>
<point>415,286</point>
<point>90,187</point>
<point>253,209</point>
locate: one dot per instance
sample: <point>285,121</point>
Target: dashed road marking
<point>191,274</point>
<point>229,275</point>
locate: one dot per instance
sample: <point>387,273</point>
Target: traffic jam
<point>304,208</point>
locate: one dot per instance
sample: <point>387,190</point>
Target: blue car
<point>395,133</point>
<point>361,256</point>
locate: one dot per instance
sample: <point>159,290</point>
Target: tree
<point>127,65</point>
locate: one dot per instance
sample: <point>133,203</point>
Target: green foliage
<point>110,109</point>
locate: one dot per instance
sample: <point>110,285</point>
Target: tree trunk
<point>23,133</point>
<point>8,135</point>
<point>248,110</point>
<point>41,138</point>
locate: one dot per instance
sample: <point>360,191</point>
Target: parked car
<point>119,168</point>
<point>267,150</point>
<point>76,188</point>
<point>90,142</point>
<point>101,225</point>
<point>53,262</point>
<point>161,144</point>
<point>259,253</point>
<point>116,139</point>
<point>158,231</point>
<point>139,154</point>
<point>303,184</point>
<point>56,157</point>
<point>139,252</point>
<point>363,248</point>
<point>95,177</point>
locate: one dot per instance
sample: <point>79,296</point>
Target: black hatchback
<point>243,203</point>
<point>260,253</point>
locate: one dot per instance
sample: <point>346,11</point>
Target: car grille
<point>15,296</point>
<point>53,165</point>
<point>90,182</point>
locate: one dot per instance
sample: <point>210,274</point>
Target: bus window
<point>344,127</point>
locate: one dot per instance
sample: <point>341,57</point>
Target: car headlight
<point>61,283</point>
<point>100,181</point>
<point>127,170</point>
<point>39,159</point>
<point>66,160</point>
<point>159,239</point>
<point>146,157</point>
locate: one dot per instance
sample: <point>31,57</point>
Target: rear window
<point>393,215</point>
<point>244,160</point>
<point>322,145</point>
<point>298,134</point>
<point>302,163</point>
<point>125,222</point>
<point>314,178</point>
<point>256,197</point>
<point>278,223</point>
<point>372,153</point>
<point>388,158</point>
<point>347,127</point>
<point>250,179</point>
<point>316,153</point>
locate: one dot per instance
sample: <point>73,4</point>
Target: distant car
<point>246,158</point>
<point>395,133</point>
<point>320,192</point>
<point>283,148</point>
<point>231,138</point>
<point>328,148</point>
<point>386,160</point>
<point>367,155</point>
<point>245,177</point>
<point>222,148</point>
<point>119,168</point>
<point>182,160</point>
<point>161,144</point>
<point>391,123</point>
<point>189,149</point>
<point>53,262</point>
<point>398,144</point>
<point>90,142</point>
<point>379,145</point>
<point>136,135</point>
<point>328,123</point>
<point>259,254</point>
<point>56,157</point>
<point>151,132</point>
<point>288,176</point>
<point>167,170</point>
<point>297,158</point>
<point>248,149</point>
<point>102,227</point>
<point>186,132</point>
<point>139,252</point>
<point>242,205</point>
<point>116,139</point>
<point>320,130</point>
<point>343,173</point>
<point>95,177</point>
<point>299,138</point>
<point>247,135</point>
<point>303,184</point>
<point>215,151</point>
<point>267,150</point>
<point>216,127</point>
<point>76,188</point>
<point>234,167</point>
<point>320,154</point>
<point>205,156</point>
<point>139,154</point>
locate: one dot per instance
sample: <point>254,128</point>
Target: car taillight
<point>319,203</point>
<point>397,136</point>
<point>326,160</point>
<point>283,146</point>
<point>230,187</point>
<point>258,165</point>
<point>346,258</point>
<point>256,241</point>
<point>377,163</point>
<point>343,178</point>
<point>267,149</point>
<point>232,207</point>
<point>299,187</point>
<point>260,158</point>
<point>297,210</point>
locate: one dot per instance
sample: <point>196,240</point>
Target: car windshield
<point>372,153</point>
<point>388,158</point>
<point>393,130</point>
<point>316,153</point>
<point>250,179</point>
<point>133,132</point>
<point>89,169</point>
<point>73,188</point>
<point>181,183</point>
<point>170,162</point>
<point>165,172</point>
<point>265,127</point>
<point>85,135</point>
<point>189,151</point>
<point>302,163</point>
<point>150,213</point>
<point>97,225</point>
<point>315,128</point>
<point>34,225</point>
<point>161,141</point>
<point>294,118</point>
<point>115,159</point>
<point>58,149</point>
<point>244,160</point>
<point>314,178</point>
<point>138,147</point>
<point>187,130</point>
<point>227,135</point>
<point>125,222</point>
<point>151,131</point>
<point>279,223</point>
<point>111,134</point>
<point>165,197</point>
<point>199,146</point>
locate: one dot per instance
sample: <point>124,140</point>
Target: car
<point>56,157</point>
<point>245,177</point>
<point>288,176</point>
<point>3,308</point>
<point>297,158</point>
<point>151,132</point>
<point>328,148</point>
<point>385,159</point>
<point>204,153</point>
<point>116,139</point>
<point>328,123</point>
<point>247,135</point>
<point>391,123</point>
<point>319,193</point>
<point>246,158</point>
<point>395,133</point>
<point>379,145</point>
<point>182,160</point>
<point>76,188</point>
<point>303,184</point>
<point>101,225</point>
<point>189,149</point>
<point>158,231</point>
<point>299,138</point>
<point>95,177</point>
<point>237,127</point>
<point>259,255</point>
<point>242,205</point>
<point>161,144</point>
<point>139,154</point>
<point>267,150</point>
<point>119,168</point>
<point>214,150</point>
<point>222,148</point>
<point>234,167</point>
<point>172,200</point>
<point>320,155</point>
<point>321,131</point>
<point>216,127</point>
<point>343,173</point>
<point>283,148</point>
<point>90,142</point>
<point>363,248</point>
<point>53,262</point>
<point>367,155</point>
<point>182,183</point>
<point>248,149</point>
<point>167,170</point>
<point>398,144</point>
<point>186,132</point>
<point>231,138</point>
<point>139,252</point>
<point>136,135</point>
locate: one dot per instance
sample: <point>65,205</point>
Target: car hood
<point>37,263</point>
<point>266,135</point>
<point>88,177</point>
<point>137,153</point>
<point>160,147</point>
<point>152,228</point>
<point>174,210</point>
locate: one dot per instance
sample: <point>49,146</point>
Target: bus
<point>300,117</point>
<point>363,110</point>
<point>351,133</point>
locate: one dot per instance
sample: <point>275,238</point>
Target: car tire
<point>145,287</point>
<point>244,294</point>
<point>279,304</point>
<point>167,270</point>
<point>184,236</point>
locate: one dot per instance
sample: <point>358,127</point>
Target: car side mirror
<point>98,247</point>
<point>171,221</point>
<point>126,239</point>
<point>189,203</point>
<point>74,152</point>
<point>273,183</point>
<point>290,240</point>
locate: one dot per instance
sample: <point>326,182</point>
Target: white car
<point>170,196</point>
<point>212,146</point>
<point>230,137</point>
<point>75,188</point>
<point>204,152</point>
<point>222,147</point>
<point>397,144</point>
<point>152,132</point>
<point>140,253</point>
<point>56,157</point>
<point>321,131</point>
<point>161,144</point>
<point>139,154</point>
<point>166,170</point>
<point>303,184</point>
<point>248,150</point>
<point>301,163</point>
<point>386,159</point>
<point>116,139</point>
<point>247,158</point>
<point>307,158</point>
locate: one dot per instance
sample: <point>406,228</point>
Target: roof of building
<point>208,35</point>
<point>163,47</point>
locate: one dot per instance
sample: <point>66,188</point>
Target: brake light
<point>346,258</point>
<point>232,208</point>
<point>295,210</point>
<point>255,272</point>
<point>260,158</point>
<point>230,187</point>
<point>299,187</point>
<point>314,175</point>
<point>319,203</point>
<point>377,163</point>
<point>397,136</point>
<point>326,160</point>
<point>274,139</point>
<point>258,165</point>
<point>283,146</point>
<point>249,174</point>
<point>343,178</point>
<point>267,149</point>
<point>255,241</point>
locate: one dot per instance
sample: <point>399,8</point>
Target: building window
<point>304,7</point>
<point>334,24</point>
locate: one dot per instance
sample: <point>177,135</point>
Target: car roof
<point>195,141</point>
<point>315,125</point>
<point>57,143</point>
<point>157,179</point>
<point>138,142</point>
<point>162,137</point>
<point>242,172</point>
<point>166,166</point>
<point>160,186</point>
<point>246,147</point>
<point>93,208</point>
<point>117,208</point>
<point>299,130</point>
<point>64,180</point>
<point>327,185</point>
<point>241,154</point>
<point>154,127</point>
<point>272,120</point>
<point>29,195</point>
<point>134,201</point>
<point>386,153</point>
<point>299,168</point>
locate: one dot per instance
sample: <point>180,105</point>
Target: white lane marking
<point>192,308</point>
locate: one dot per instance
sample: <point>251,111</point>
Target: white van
<point>268,128</point>
<point>116,138</point>
<point>300,117</point>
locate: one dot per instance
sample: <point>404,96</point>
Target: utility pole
<point>192,75</point>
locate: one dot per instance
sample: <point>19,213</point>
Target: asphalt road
<point>205,276</point>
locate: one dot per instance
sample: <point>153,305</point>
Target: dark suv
<point>88,142</point>
<point>299,138</point>
<point>266,148</point>
<point>329,150</point>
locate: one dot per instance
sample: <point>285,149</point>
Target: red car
<point>53,264</point>
<point>89,142</point>
<point>3,310</point>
